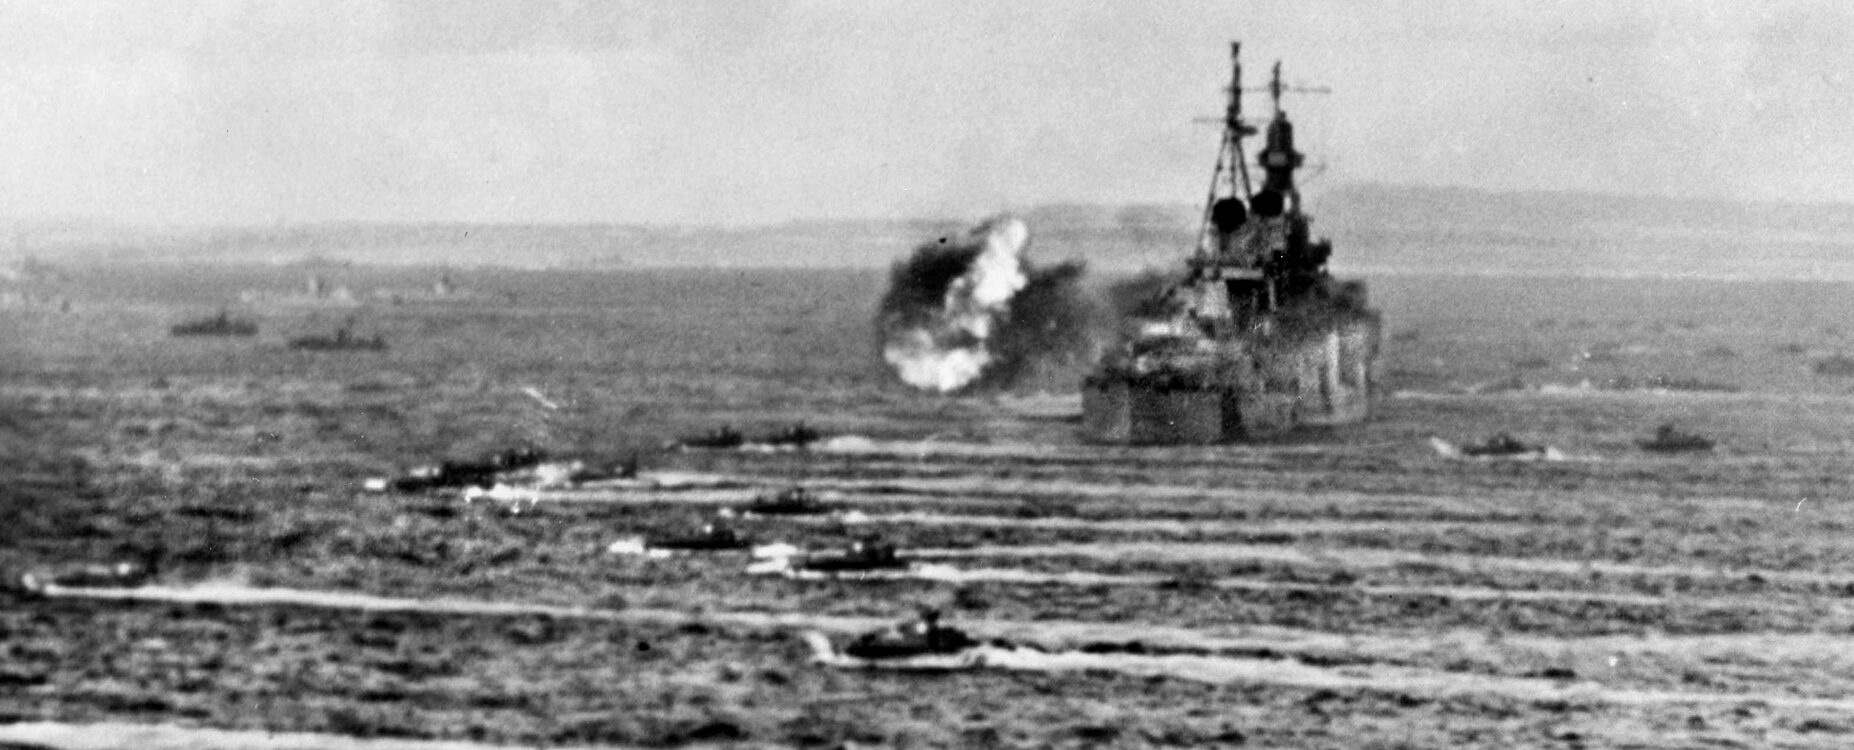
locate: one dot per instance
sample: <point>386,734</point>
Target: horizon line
<point>14,223</point>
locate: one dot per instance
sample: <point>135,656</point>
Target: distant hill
<point>1376,229</point>
<point>1398,229</point>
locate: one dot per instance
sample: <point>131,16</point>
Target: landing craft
<point>722,437</point>
<point>117,575</point>
<point>868,558</point>
<point>866,554</point>
<point>791,501</point>
<point>1257,338</point>
<point>711,537</point>
<point>1499,446</point>
<point>483,473</point>
<point>725,437</point>
<point>533,471</point>
<point>800,435</point>
<point>922,644</point>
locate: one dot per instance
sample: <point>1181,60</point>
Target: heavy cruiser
<point>1257,338</point>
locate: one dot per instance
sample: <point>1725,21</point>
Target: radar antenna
<point>1276,88</point>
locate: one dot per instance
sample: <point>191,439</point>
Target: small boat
<point>711,537</point>
<point>863,555</point>
<point>800,435</point>
<point>482,473</point>
<point>1500,446</point>
<point>921,644</point>
<point>868,558</point>
<point>121,575</point>
<point>722,437</point>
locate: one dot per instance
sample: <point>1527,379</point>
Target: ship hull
<point>1320,380</point>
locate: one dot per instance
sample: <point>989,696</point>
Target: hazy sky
<point>207,111</point>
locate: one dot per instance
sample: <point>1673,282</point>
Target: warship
<point>1256,338</point>
<point>222,324</point>
<point>343,340</point>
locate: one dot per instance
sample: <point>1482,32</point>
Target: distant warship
<point>222,324</point>
<point>343,340</point>
<point>1257,338</point>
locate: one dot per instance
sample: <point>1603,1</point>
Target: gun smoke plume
<point>967,311</point>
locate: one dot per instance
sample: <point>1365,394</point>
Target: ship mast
<point>1234,129</point>
<point>1278,159</point>
<point>1231,164</point>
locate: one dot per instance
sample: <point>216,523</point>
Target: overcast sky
<point>735,111</point>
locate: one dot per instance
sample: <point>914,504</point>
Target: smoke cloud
<point>1144,296</point>
<point>969,311</point>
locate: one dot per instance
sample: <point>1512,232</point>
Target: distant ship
<point>1257,338</point>
<point>222,324</point>
<point>343,340</point>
